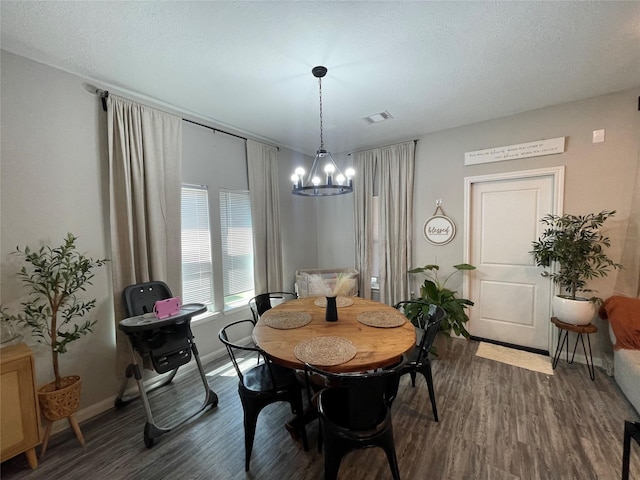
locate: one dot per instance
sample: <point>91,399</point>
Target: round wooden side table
<point>563,338</point>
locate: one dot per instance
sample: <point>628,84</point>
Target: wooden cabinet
<point>19,414</point>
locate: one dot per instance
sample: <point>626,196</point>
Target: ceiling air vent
<point>377,117</point>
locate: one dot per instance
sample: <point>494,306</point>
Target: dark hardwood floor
<point>497,422</point>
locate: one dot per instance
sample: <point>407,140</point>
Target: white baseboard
<point>109,403</point>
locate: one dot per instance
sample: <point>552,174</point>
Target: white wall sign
<point>439,230</point>
<point>511,152</point>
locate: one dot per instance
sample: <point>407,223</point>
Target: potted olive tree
<point>53,277</point>
<point>435,291</point>
<point>576,245</point>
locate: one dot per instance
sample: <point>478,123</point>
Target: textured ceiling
<point>247,65</point>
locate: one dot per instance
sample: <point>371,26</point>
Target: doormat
<point>517,358</point>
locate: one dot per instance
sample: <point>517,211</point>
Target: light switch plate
<point>598,136</point>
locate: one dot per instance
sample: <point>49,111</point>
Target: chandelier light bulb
<point>329,169</point>
<point>297,177</point>
<point>340,179</point>
<point>315,181</point>
<point>350,172</point>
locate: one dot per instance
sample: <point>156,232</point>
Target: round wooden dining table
<point>375,347</point>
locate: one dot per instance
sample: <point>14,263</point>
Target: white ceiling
<point>247,65</point>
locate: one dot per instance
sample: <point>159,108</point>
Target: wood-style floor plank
<point>497,422</point>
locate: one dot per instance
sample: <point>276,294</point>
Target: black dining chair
<point>263,302</point>
<point>260,384</point>
<point>427,319</point>
<point>355,413</point>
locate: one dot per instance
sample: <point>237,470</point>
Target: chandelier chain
<point>320,91</point>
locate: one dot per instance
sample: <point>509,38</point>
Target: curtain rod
<point>104,94</point>
<point>383,146</point>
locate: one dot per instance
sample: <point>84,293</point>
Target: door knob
<point>545,274</point>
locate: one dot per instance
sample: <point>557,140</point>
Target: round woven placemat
<point>340,302</point>
<point>381,319</point>
<point>285,320</point>
<point>325,351</point>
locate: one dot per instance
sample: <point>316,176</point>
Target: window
<point>237,247</point>
<point>197,268</point>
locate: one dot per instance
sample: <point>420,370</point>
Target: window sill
<point>205,317</point>
<point>236,309</point>
<point>209,316</point>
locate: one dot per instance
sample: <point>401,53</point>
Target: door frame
<point>557,173</point>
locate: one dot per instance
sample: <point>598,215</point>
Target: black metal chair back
<point>428,318</point>
<point>238,354</point>
<point>355,413</point>
<point>260,384</point>
<point>418,311</point>
<point>265,301</point>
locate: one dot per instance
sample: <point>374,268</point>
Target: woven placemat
<point>325,351</point>
<point>381,319</point>
<point>340,301</point>
<point>285,320</point>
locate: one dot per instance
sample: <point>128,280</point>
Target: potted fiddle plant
<point>577,246</point>
<point>434,291</point>
<point>54,277</point>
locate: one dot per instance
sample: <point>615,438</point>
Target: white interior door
<point>511,294</point>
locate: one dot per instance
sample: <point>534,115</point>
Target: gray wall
<point>53,180</point>
<point>336,244</point>
<point>298,220</point>
<point>597,176</point>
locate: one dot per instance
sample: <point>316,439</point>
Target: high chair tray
<point>149,321</point>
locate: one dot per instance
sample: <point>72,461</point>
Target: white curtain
<point>365,164</point>
<point>389,170</point>
<point>262,164</point>
<point>396,220</point>
<point>628,279</point>
<point>145,163</point>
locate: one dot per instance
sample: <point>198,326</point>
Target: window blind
<point>237,245</point>
<point>197,268</point>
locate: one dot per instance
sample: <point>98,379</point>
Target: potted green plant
<point>576,245</point>
<point>435,291</point>
<point>53,277</point>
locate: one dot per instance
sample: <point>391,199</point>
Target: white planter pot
<point>576,312</point>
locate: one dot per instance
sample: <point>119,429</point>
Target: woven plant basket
<point>62,403</point>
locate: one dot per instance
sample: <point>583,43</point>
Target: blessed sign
<point>439,230</point>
